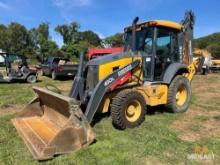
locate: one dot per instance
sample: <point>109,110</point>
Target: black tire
<point>204,71</point>
<point>53,75</point>
<point>179,86</point>
<point>31,78</point>
<point>120,106</point>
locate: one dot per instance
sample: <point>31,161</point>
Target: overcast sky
<point>106,17</point>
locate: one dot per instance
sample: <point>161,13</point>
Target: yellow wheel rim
<point>133,111</point>
<point>181,95</point>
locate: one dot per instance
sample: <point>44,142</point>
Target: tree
<point>114,40</point>
<point>33,41</point>
<point>211,43</point>
<point>41,41</point>
<point>74,50</point>
<point>17,38</point>
<point>3,37</point>
<point>76,41</point>
<point>91,37</point>
<point>68,32</point>
<point>214,49</point>
<point>43,30</point>
<point>37,41</point>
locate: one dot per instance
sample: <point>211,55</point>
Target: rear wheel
<point>128,109</point>
<point>179,95</point>
<point>31,79</point>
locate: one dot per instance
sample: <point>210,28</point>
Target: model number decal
<point>123,71</point>
<point>110,80</point>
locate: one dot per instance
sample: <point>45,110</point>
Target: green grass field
<point>163,138</point>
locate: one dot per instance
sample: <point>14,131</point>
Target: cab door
<point>148,51</point>
<point>167,51</point>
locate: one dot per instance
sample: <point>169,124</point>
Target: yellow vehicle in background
<point>209,64</point>
<point>215,65</point>
<point>206,59</point>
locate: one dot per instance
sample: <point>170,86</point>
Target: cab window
<point>166,51</point>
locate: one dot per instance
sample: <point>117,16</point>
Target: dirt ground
<point>11,109</point>
<point>203,117</point>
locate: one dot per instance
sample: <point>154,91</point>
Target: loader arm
<point>193,68</point>
<point>103,86</point>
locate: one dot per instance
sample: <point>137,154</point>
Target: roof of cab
<point>164,23</point>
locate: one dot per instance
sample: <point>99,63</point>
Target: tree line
<point>16,38</point>
<point>211,43</point>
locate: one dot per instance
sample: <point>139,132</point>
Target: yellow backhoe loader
<point>205,58</point>
<point>156,68</point>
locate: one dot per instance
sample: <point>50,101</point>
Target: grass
<point>21,93</point>
<point>18,94</point>
<point>202,118</point>
<point>156,141</point>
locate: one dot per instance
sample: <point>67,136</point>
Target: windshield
<point>144,40</point>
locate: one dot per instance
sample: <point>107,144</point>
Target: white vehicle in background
<point>207,58</point>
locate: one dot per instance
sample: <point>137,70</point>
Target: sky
<point>107,17</point>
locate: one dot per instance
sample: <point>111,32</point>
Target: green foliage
<point>36,42</point>
<point>16,38</point>
<point>214,49</point>
<point>74,50</point>
<point>114,40</point>
<point>76,41</point>
<point>90,37</point>
<point>68,32</point>
<point>3,37</point>
<point>211,43</point>
<point>45,46</point>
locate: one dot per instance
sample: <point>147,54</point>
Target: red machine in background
<point>95,52</point>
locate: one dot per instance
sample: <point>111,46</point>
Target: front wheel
<point>179,95</point>
<point>31,79</point>
<point>128,109</point>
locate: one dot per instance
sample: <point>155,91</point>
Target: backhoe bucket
<point>53,124</point>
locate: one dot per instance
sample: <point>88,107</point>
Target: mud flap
<point>53,124</point>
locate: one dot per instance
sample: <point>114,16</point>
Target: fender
<point>103,87</point>
<point>172,70</point>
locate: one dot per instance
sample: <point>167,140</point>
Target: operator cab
<point>157,42</point>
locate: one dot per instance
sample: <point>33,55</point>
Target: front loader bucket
<point>53,124</point>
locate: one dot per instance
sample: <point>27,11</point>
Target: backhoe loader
<point>205,60</point>
<point>156,68</point>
